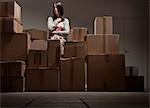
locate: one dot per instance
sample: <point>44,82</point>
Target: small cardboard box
<point>37,34</point>
<point>38,45</point>
<point>102,44</point>
<point>75,49</point>
<point>10,9</point>
<point>42,80</point>
<point>105,72</point>
<point>14,46</point>
<point>12,69</point>
<point>13,84</point>
<point>134,83</point>
<point>103,25</point>
<point>77,34</point>
<point>72,74</point>
<point>131,71</point>
<point>53,53</point>
<point>10,25</point>
<point>37,59</point>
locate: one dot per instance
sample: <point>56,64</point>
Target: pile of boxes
<point>43,71</point>
<point>43,62</point>
<point>14,47</point>
<point>105,66</point>
<point>133,82</point>
<point>31,62</point>
<point>73,62</point>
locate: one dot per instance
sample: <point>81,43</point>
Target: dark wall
<point>129,21</point>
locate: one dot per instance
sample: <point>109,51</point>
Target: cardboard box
<point>37,59</point>
<point>38,45</point>
<point>10,25</point>
<point>37,34</point>
<point>12,69</point>
<point>42,80</point>
<point>105,72</point>
<point>75,49</point>
<point>53,53</point>
<point>131,71</point>
<point>102,44</point>
<point>13,84</point>
<point>103,25</point>
<point>14,46</point>
<point>134,83</point>
<point>77,34</point>
<point>72,75</point>
<point>10,9</point>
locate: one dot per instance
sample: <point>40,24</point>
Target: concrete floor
<point>75,100</point>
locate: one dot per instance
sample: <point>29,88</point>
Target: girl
<point>58,25</point>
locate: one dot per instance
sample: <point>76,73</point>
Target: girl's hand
<point>60,25</point>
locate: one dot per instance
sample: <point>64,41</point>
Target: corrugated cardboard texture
<point>38,45</point>
<point>72,75</point>
<point>103,25</point>
<point>12,69</point>
<point>41,80</point>
<point>106,72</point>
<point>37,34</point>
<point>10,9</point>
<point>53,53</point>
<point>10,25</point>
<point>37,59</point>
<point>77,34</point>
<point>75,49</point>
<point>14,46</point>
<point>13,84</point>
<point>102,44</point>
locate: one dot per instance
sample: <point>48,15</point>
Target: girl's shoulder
<point>50,18</point>
<point>66,19</point>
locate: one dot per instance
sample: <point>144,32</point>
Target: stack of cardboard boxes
<point>42,72</point>
<point>47,71</point>
<point>14,47</point>
<point>31,62</point>
<point>133,82</point>
<point>105,66</point>
<point>12,76</point>
<point>72,64</point>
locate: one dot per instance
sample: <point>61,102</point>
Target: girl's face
<point>56,12</point>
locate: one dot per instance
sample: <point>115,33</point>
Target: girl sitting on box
<point>58,25</point>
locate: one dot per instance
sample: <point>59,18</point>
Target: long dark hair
<point>59,6</point>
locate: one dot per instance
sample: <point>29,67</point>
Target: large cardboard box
<point>134,83</point>
<point>102,44</point>
<point>42,80</point>
<point>10,25</point>
<point>14,46</point>
<point>105,72</point>
<point>77,34</point>
<point>53,53</point>
<point>13,84</point>
<point>103,25</point>
<point>38,45</point>
<point>37,34</point>
<point>131,71</point>
<point>12,69</point>
<point>75,49</point>
<point>10,9</point>
<point>72,75</point>
<point>37,59</point>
